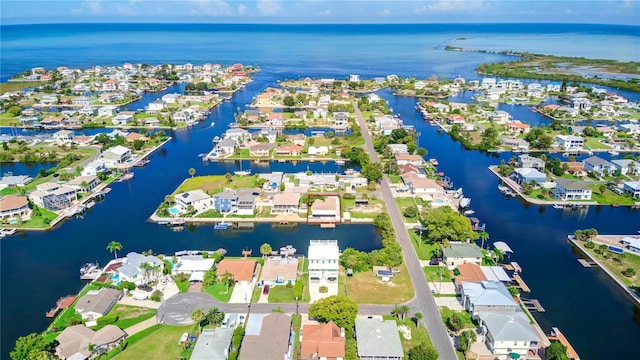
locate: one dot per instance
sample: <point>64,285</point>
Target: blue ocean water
<point>583,303</point>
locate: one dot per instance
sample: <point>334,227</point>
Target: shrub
<point>410,212</point>
<point>349,196</point>
<point>127,285</point>
<point>289,285</point>
<point>323,289</point>
<point>589,244</point>
<point>106,320</point>
<point>628,272</point>
<point>156,296</point>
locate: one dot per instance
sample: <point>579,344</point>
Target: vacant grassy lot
<point>446,313</point>
<point>160,343</point>
<point>617,266</point>
<point>17,85</point>
<point>433,273</point>
<point>216,183</point>
<point>367,288</point>
<point>418,334</point>
<point>424,251</point>
<point>129,315</point>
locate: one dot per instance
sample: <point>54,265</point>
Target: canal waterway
<point>38,267</point>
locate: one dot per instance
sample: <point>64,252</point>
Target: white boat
<point>126,177</point>
<point>613,153</point>
<point>434,162</point>
<point>557,206</point>
<point>10,231</point>
<point>242,172</point>
<point>90,204</point>
<point>469,212</point>
<point>465,202</point>
<point>457,193</point>
<point>288,250</point>
<point>340,162</point>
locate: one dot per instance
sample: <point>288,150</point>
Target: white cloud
<point>449,6</point>
<point>91,7</point>
<point>383,12</point>
<point>325,12</point>
<point>268,7</point>
<point>125,10</point>
<point>210,8</point>
<point>242,9</point>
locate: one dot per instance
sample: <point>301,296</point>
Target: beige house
<point>285,203</point>
<point>74,341</point>
<point>14,206</point>
<point>278,271</point>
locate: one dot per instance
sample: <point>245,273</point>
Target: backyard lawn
<point>160,342</point>
<point>129,315</point>
<point>216,183</point>
<point>220,292</point>
<point>366,288</point>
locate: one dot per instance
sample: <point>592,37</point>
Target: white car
<point>140,296</point>
<point>183,338</point>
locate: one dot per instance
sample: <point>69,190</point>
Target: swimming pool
<point>438,201</point>
<point>115,278</point>
<point>13,221</point>
<point>173,211</point>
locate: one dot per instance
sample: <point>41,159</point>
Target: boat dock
<point>521,284</point>
<point>61,304</point>
<point>587,263</point>
<point>556,335</point>
<point>532,305</point>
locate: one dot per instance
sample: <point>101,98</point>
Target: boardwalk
<point>423,300</point>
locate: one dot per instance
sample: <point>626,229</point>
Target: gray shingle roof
<point>508,326</point>
<point>462,250</point>
<point>378,338</point>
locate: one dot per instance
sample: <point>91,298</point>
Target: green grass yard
<point>220,292</point>
<point>433,273</point>
<point>366,288</point>
<point>216,183</point>
<point>159,342</point>
<point>129,315</point>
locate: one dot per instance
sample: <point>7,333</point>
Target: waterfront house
<point>632,188</point>
<point>195,266</point>
<point>516,143</point>
<point>269,134</point>
<point>317,150</point>
<point>398,149</point>
<point>133,270</point>
<point>571,190</point>
<point>241,269</point>
<point>378,339</point>
<point>575,168</point>
<point>327,209</point>
<point>568,111</point>
<point>598,165</point>
<point>627,166</point>
<point>570,142</point>
<point>296,139</point>
<point>455,119</point>
<point>171,98</point>
<point>508,333</point>
<point>15,180</point>
<point>499,116</point>
<point>275,119</point>
<point>487,296</point>
<point>582,104</point>
<point>150,121</point>
<point>94,168</point>
<point>116,155</point>
<point>528,175</point>
<point>63,136</point>
<point>241,136</point>
<point>261,149</point>
<point>322,342</point>
<point>197,200</point>
<point>419,184</point>
<point>84,183</point>
<point>213,344</point>
<point>88,111</point>
<point>631,243</point>
<point>81,101</point>
<point>323,258</point>
<point>341,120</point>
<point>528,161</point>
<point>52,122</point>
<point>107,111</point>
<point>74,341</point>
<point>246,201</point>
<point>268,337</point>
<point>53,196</point>
<point>293,150</point>
<point>517,127</point>
<point>14,207</point>
<point>403,159</point>
<point>226,202</point>
<point>279,271</point>
<point>225,146</point>
<point>134,136</point>
<point>156,106</point>
<point>122,119</point>
<point>285,203</point>
<point>460,253</point>
<point>83,140</point>
<point>97,303</point>
<point>469,272</point>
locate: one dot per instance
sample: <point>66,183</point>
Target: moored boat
<point>465,202</point>
<point>221,226</point>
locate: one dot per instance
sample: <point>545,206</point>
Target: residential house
<point>241,269</point>
<point>133,269</point>
<point>386,124</point>
<point>15,180</point>
<point>419,184</point>
<point>581,103</point>
<point>402,159</point>
<point>518,127</point>
<point>134,136</point>
<point>225,146</point>
<point>194,266</point>
<point>527,175</point>
<point>52,122</point>
<point>53,196</point>
<point>196,199</point>
<point>226,202</point>
<point>627,166</point>
<point>571,190</point>
<point>156,106</point>
<point>88,111</point>
<point>317,150</point>
<point>84,183</point>
<point>398,149</point>
<point>488,83</point>
<point>570,142</point>
<point>575,168</point>
<point>460,253</point>
<point>598,165</point>
<point>270,134</point>
<point>74,342</point>
<point>293,150</point>
<point>322,342</point>
<point>631,243</point>
<point>296,139</point>
<point>107,111</point>
<point>241,136</point>
<point>323,258</point>
<point>268,337</point>
<point>278,271</point>
<point>213,344</point>
<point>499,116</point>
<point>516,143</point>
<point>341,120</point>
<point>469,272</point>
<point>122,119</point>
<point>378,339</point>
<point>528,161</point>
<point>632,188</point>
<point>116,155</point>
<point>455,119</point>
<point>171,98</point>
<point>97,303</point>
<point>82,101</point>
<point>150,122</point>
<point>275,119</point>
<point>246,202</point>
<point>14,207</point>
<point>285,203</point>
<point>327,209</point>
<point>261,149</point>
<point>535,90</point>
<point>63,136</point>
<point>83,140</point>
<point>569,111</point>
<point>94,168</point>
<point>508,333</point>
<point>487,296</point>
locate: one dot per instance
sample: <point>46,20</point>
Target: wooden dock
<point>521,284</point>
<point>586,263</point>
<point>532,305</point>
<point>556,335</point>
<point>61,304</point>
<point>328,226</point>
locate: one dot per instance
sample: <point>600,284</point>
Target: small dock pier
<point>61,304</point>
<point>521,284</point>
<point>558,336</point>
<point>532,305</point>
<point>586,263</point>
<point>328,226</point>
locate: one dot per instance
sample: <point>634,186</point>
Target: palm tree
<point>404,310</point>
<point>497,253</point>
<point>215,316</point>
<point>146,267</point>
<point>227,279</point>
<point>197,315</point>
<point>265,249</point>
<point>418,316</point>
<point>192,171</point>
<point>484,236</point>
<point>113,247</point>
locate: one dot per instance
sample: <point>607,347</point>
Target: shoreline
<point>610,274</point>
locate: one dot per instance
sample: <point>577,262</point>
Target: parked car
<point>265,289</point>
<point>183,338</point>
<point>145,287</point>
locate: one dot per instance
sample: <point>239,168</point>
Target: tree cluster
<point>444,225</point>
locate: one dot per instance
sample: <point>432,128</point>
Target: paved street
<point>423,300</point>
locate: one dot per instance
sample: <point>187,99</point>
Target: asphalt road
<point>423,300</point>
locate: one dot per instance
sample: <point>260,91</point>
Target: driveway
<point>241,294</point>
<point>315,294</point>
<point>177,309</point>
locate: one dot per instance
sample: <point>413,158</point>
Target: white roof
<point>323,249</point>
<point>192,196</point>
<point>495,273</point>
<point>196,276</point>
<point>190,264</point>
<point>118,150</point>
<point>502,246</point>
<point>633,242</point>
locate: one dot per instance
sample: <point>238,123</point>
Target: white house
<point>627,166</point>
<point>323,261</point>
<point>633,188</point>
<point>598,165</point>
<point>461,253</point>
<point>84,183</point>
<point>171,98</point>
<point>195,266</point>
<point>157,105</point>
<point>93,168</point>
<point>107,111</point>
<point>97,303</point>
<point>122,119</point>
<point>116,155</point>
<point>508,333</point>
<point>133,270</point>
<point>570,142</point>
<point>53,196</point>
<point>63,136</point>
<point>571,190</point>
<point>200,201</point>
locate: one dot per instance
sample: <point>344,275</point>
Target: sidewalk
<point>140,326</point>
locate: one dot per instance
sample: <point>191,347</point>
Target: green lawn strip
<point>183,286</point>
<point>446,313</point>
<point>592,143</point>
<point>18,85</point>
<point>433,273</point>
<point>394,179</point>
<point>617,267</point>
<point>280,294</point>
<point>424,251</point>
<point>161,342</point>
<point>608,196</point>
<point>296,323</point>
<point>367,288</point>
<point>418,334</point>
<point>215,183</point>
<point>220,292</point>
<point>129,315</point>
<point>255,295</point>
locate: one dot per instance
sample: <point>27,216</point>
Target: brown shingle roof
<point>330,203</point>
<point>323,341</point>
<point>286,199</point>
<point>273,341</point>
<point>470,272</point>
<point>242,269</point>
<point>10,202</point>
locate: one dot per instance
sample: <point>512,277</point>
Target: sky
<point>625,12</point>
